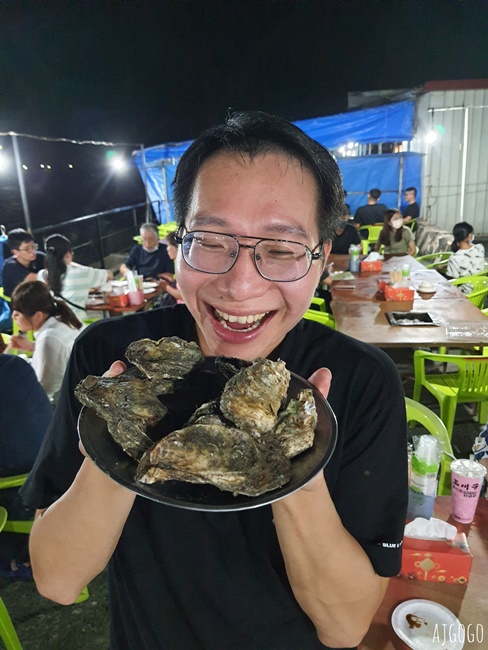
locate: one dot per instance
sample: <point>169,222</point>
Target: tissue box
<point>372,266</point>
<point>399,294</point>
<point>436,560</point>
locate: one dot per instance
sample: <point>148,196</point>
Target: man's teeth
<point>251,319</point>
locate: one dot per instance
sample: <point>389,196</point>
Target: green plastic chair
<point>417,412</point>
<point>320,317</point>
<point>25,526</point>
<point>468,384</point>
<point>7,630</point>
<point>479,288</point>
<point>373,232</point>
<point>320,303</point>
<point>436,261</point>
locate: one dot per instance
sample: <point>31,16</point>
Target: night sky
<point>153,72</point>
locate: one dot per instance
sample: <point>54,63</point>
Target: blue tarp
<point>391,123</point>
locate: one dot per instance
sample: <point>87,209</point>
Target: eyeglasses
<point>29,248</point>
<point>277,260</point>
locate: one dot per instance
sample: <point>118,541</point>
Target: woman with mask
<point>468,258</point>
<point>68,280</point>
<point>395,237</point>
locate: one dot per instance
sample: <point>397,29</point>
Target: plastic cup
<point>136,297</point>
<point>466,481</point>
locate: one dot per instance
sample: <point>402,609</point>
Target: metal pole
<point>400,180</point>
<point>20,178</point>
<point>144,172</point>
<point>464,162</point>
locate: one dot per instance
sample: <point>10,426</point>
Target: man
<point>257,202</point>
<point>412,209</point>
<point>25,261</point>
<point>345,235</point>
<point>372,212</point>
<point>150,258</point>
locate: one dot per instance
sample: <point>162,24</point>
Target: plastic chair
<point>373,232</point>
<point>479,288</point>
<point>25,526</point>
<point>320,303</point>
<point>468,384</point>
<point>417,412</point>
<point>7,630</point>
<point>436,261</point>
<point>320,317</point>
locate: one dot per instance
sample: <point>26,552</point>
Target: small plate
<point>110,458</point>
<point>148,290</point>
<point>413,318</point>
<point>150,285</point>
<point>426,625</point>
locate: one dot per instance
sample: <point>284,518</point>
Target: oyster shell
<point>128,404</point>
<point>295,429</point>
<point>210,452</point>
<point>252,398</point>
<point>164,362</point>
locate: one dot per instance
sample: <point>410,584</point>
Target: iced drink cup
<point>466,481</point>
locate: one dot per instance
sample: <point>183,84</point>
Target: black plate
<point>413,318</point>
<point>110,458</point>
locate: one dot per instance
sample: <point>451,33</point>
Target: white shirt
<point>466,262</point>
<point>77,282</point>
<point>54,341</point>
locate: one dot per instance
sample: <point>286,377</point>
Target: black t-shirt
<point>150,265</point>
<point>14,272</point>
<point>214,581</point>
<point>368,214</point>
<point>341,243</point>
<point>412,210</point>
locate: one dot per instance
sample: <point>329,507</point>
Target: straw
<point>471,465</point>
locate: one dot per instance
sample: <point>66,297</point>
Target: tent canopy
<point>390,123</point>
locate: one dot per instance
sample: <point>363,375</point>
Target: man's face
<point>26,253</point>
<point>410,197</point>
<point>149,240</point>
<point>271,196</point>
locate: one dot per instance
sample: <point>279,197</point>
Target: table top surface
<point>117,311</point>
<point>360,311</point>
<point>469,602</point>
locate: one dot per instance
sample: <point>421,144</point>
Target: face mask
<point>150,250</point>
<point>397,223</point>
<point>472,239</point>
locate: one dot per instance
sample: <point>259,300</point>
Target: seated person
<point>345,235</point>
<point>25,414</point>
<point>412,209</point>
<point>55,326</point>
<point>68,280</point>
<point>149,258</point>
<point>25,261</point>
<point>172,294</point>
<point>394,236</point>
<point>468,258</point>
<point>372,212</point>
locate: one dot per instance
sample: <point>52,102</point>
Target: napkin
<point>432,528</point>
<point>373,257</point>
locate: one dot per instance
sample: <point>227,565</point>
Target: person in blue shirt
<point>149,258</point>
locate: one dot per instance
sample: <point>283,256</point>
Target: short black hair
<point>257,133</point>
<point>16,237</point>
<point>411,189</point>
<point>375,193</point>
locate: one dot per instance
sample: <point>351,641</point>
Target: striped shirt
<point>77,283</point>
<point>466,262</point>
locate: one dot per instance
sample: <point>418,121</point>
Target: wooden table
<point>129,309</point>
<point>360,312</point>
<point>468,602</point>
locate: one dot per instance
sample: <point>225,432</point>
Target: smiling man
<point>25,261</point>
<point>257,202</point>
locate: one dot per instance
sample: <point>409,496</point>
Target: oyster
<point>210,452</point>
<point>252,398</point>
<point>128,404</point>
<point>295,430</point>
<point>164,362</point>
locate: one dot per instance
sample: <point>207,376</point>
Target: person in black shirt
<point>25,261</point>
<point>412,210</point>
<point>149,258</point>
<point>372,212</point>
<point>345,235</point>
<point>257,202</point>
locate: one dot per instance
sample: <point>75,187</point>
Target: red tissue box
<point>436,560</point>
<point>372,266</point>
<point>399,294</point>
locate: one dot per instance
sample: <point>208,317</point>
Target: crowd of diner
<point>48,295</point>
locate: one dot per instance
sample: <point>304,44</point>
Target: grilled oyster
<point>295,430</point>
<point>164,362</point>
<point>210,452</point>
<point>252,397</point>
<point>128,404</point>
